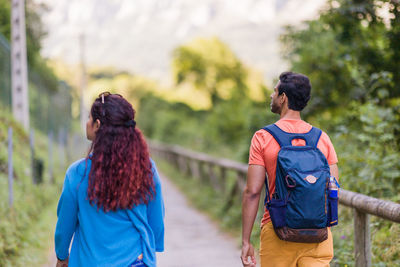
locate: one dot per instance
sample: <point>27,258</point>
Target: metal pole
<point>32,144</point>
<point>19,65</point>
<point>61,148</point>
<point>51,156</point>
<point>10,168</point>
<point>83,84</point>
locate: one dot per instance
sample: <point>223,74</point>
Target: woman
<point>111,203</point>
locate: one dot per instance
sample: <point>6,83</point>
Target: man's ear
<point>96,125</point>
<point>284,98</point>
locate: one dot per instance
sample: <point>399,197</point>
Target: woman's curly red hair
<point>120,176</point>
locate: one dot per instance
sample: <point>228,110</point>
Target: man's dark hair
<point>297,88</point>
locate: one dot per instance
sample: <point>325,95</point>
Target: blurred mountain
<point>140,35</point>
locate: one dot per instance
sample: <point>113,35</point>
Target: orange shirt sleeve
<point>326,147</point>
<point>256,150</point>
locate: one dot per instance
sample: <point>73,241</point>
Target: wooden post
<point>183,168</point>
<point>362,239</point>
<point>194,168</point>
<point>174,159</point>
<point>222,179</point>
<point>168,156</point>
<point>231,196</point>
<point>203,175</point>
<point>206,172</point>
<point>235,192</point>
<point>213,177</point>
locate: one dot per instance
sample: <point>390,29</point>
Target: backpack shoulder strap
<point>285,139</point>
<point>313,136</point>
<point>279,135</point>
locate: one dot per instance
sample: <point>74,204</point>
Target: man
<point>290,96</point>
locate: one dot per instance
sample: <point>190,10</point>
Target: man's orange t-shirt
<point>264,150</point>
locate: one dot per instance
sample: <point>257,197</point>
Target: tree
<point>35,31</point>
<point>350,52</point>
<point>5,27</point>
<point>210,65</point>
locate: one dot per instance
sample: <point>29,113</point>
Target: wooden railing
<point>214,170</point>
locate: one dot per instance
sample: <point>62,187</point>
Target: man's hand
<point>248,251</point>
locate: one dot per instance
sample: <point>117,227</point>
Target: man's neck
<point>290,114</point>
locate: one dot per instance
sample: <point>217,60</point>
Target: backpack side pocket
<point>332,211</point>
<point>277,211</point>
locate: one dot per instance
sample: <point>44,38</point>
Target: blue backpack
<point>300,208</point>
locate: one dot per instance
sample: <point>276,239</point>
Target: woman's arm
<point>67,213</point>
<point>155,212</point>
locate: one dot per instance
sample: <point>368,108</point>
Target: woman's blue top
<point>106,238</point>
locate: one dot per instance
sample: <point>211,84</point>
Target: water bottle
<point>333,187</point>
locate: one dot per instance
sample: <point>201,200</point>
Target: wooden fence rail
<point>214,170</point>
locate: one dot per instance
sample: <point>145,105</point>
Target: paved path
<point>191,239</point>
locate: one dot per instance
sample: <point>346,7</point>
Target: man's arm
<point>334,171</point>
<point>250,201</point>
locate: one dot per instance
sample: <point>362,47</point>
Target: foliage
<point>50,99</point>
<point>211,66</point>
<point>35,32</point>
<point>5,17</point>
<point>366,144</point>
<point>350,52</point>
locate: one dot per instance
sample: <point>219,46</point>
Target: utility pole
<point>19,65</point>
<point>83,85</point>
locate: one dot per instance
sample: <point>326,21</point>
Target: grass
<point>26,229</point>
<point>39,239</point>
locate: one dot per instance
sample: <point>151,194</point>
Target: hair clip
<point>102,98</point>
<point>130,123</point>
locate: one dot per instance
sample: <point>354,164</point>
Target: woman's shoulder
<point>79,168</point>
<point>153,165</point>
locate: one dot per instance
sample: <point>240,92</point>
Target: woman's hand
<point>61,263</point>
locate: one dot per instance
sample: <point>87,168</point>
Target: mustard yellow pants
<point>278,253</point>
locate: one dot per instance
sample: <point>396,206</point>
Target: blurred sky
<point>139,35</point>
